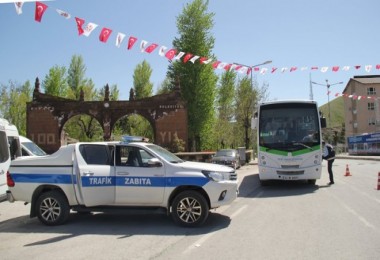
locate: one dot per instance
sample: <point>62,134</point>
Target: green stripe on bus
<point>284,153</point>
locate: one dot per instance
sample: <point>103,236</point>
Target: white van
<point>10,148</point>
<point>29,148</point>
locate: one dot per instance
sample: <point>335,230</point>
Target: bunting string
<point>172,54</point>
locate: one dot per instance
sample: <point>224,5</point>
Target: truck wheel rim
<point>50,209</point>
<point>189,210</point>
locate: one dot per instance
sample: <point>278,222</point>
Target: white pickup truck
<point>96,177</point>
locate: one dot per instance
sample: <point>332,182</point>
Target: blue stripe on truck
<point>104,181</point>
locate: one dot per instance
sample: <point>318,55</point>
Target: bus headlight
<point>215,176</point>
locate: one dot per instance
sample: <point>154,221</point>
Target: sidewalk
<point>358,157</point>
<point>341,156</point>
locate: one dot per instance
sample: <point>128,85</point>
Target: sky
<point>290,33</point>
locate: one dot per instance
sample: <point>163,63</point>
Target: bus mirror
<point>254,123</point>
<point>323,122</point>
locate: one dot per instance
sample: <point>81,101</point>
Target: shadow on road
<point>121,225</point>
<point>250,187</point>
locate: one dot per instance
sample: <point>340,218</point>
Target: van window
<point>4,147</point>
<point>33,148</point>
<point>14,147</point>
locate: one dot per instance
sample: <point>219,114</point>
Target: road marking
<point>359,191</point>
<point>353,212</point>
<point>204,238</point>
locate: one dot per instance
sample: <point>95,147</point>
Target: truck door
<point>95,183</point>
<point>136,182</point>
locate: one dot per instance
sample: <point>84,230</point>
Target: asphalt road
<point>285,220</point>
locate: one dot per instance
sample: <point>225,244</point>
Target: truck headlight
<point>215,176</point>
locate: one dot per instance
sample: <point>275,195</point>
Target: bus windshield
<point>289,127</point>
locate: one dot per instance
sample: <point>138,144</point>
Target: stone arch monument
<point>46,115</point>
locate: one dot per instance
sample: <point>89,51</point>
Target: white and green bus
<point>289,140</point>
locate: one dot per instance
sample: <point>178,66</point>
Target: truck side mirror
<point>154,162</point>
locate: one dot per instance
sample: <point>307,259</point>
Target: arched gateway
<point>46,115</point>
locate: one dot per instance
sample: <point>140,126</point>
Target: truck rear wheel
<point>52,208</point>
<point>190,209</point>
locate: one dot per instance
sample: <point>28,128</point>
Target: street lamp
<point>254,66</point>
<point>246,124</point>
<point>328,85</point>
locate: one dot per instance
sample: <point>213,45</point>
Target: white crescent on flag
<point>120,37</point>
<point>89,28</point>
<point>162,50</point>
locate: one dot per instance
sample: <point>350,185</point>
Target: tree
<point>81,127</point>
<point>13,104</point>
<point>76,76</point>
<point>246,98</point>
<point>164,87</point>
<point>225,109</point>
<point>197,81</point>
<point>55,83</point>
<point>141,80</point>
<point>136,124</point>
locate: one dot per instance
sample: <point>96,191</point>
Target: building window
<point>371,121</point>
<point>355,125</point>
<point>371,106</point>
<point>371,91</point>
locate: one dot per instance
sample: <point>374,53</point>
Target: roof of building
<point>369,79</point>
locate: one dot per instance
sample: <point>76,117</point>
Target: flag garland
<point>171,53</point>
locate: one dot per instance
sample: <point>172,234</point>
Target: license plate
<point>289,178</point>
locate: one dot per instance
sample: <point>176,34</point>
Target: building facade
<point>361,105</point>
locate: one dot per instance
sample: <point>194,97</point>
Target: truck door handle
<point>88,173</point>
<point>123,173</point>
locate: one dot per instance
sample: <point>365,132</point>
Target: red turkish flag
<point>357,67</point>
<point>40,10</point>
<point>293,69</point>
<point>314,68</point>
<point>151,48</point>
<point>227,67</point>
<point>80,23</point>
<point>256,69</point>
<point>273,69</point>
<point>132,40</point>
<point>378,66</point>
<point>170,54</point>
<point>105,34</point>
<point>335,68</point>
<point>187,57</point>
<point>203,59</point>
<point>216,64</point>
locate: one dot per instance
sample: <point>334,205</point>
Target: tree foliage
<point>197,81</point>
<point>13,104</point>
<point>225,110</point>
<point>55,83</point>
<point>141,80</point>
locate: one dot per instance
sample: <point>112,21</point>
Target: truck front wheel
<point>190,209</point>
<point>52,208</point>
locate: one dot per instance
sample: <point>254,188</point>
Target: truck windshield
<point>164,153</point>
<point>289,127</point>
